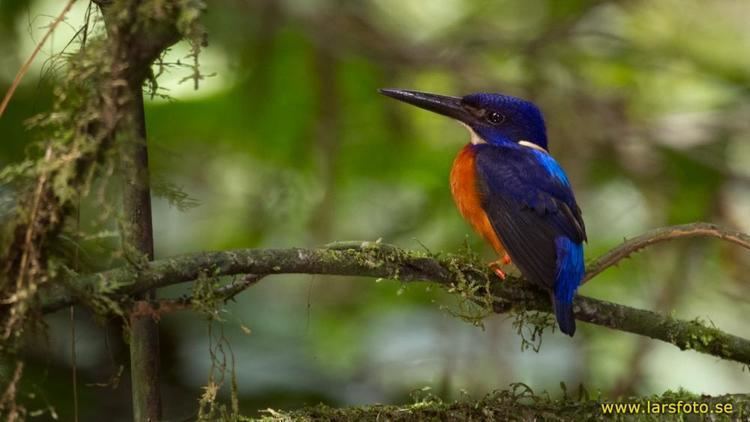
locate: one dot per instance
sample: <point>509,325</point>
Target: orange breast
<point>466,194</point>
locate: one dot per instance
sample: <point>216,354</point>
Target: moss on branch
<point>520,403</point>
<point>385,261</point>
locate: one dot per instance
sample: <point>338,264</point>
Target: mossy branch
<point>521,403</point>
<point>370,259</point>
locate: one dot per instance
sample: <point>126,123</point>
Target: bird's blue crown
<point>506,119</point>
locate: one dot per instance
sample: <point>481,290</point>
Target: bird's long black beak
<point>441,104</point>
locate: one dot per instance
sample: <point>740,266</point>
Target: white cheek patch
<point>475,138</point>
<point>532,146</point>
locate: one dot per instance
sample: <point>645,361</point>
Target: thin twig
<point>224,293</point>
<point>228,292</point>
<point>29,257</point>
<point>8,398</point>
<point>28,247</point>
<point>662,235</point>
<point>25,68</point>
<point>73,361</point>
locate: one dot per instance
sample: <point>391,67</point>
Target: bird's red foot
<point>496,266</point>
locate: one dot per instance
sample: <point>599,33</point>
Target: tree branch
<point>385,261</point>
<point>224,293</point>
<point>660,235</point>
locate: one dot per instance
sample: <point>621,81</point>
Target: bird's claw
<point>498,272</point>
<point>496,266</point>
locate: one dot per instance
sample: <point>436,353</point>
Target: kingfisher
<point>513,193</point>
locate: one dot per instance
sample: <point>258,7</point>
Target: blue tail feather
<point>570,270</point>
<point>564,315</point>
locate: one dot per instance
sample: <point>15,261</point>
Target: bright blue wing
<point>529,202</point>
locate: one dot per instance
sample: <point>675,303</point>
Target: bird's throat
<point>475,138</point>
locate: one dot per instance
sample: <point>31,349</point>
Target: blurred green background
<point>287,143</point>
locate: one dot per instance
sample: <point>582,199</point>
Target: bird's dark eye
<point>495,118</point>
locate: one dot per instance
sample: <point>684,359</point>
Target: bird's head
<point>491,118</point>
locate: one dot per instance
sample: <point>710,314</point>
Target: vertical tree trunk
<point>137,38</point>
<point>138,243</point>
